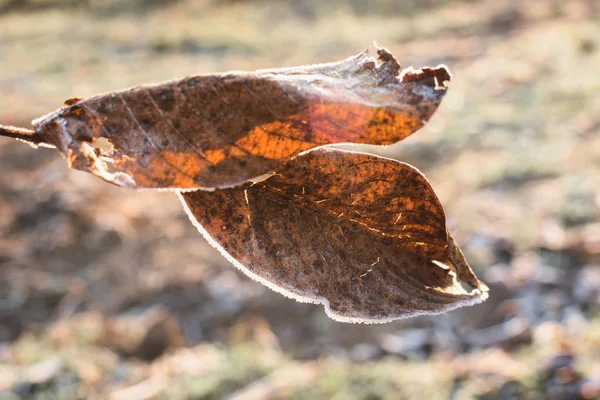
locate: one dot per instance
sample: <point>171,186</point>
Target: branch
<point>26,135</point>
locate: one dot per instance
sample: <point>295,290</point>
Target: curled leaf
<point>363,235</point>
<point>218,131</point>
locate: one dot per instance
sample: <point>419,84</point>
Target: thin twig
<point>26,135</point>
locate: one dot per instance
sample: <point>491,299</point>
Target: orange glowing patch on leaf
<point>326,229</point>
<point>218,131</point>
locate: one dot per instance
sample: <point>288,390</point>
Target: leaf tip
<point>72,101</point>
<point>437,77</point>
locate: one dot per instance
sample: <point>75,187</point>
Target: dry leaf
<point>363,235</point>
<point>218,131</point>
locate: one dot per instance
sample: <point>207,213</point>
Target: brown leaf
<point>218,131</point>
<point>363,235</point>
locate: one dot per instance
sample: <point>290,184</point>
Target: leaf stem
<point>26,135</point>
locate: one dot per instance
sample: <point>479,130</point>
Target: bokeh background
<point>111,293</point>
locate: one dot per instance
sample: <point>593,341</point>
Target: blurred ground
<point>110,293</point>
